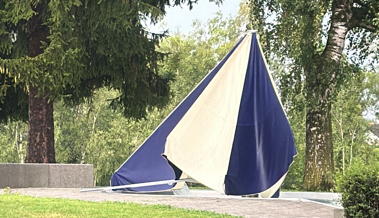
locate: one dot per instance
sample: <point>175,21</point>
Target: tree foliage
<point>90,44</point>
<point>13,138</point>
<point>319,42</point>
<point>54,49</point>
<point>360,194</point>
<point>94,133</point>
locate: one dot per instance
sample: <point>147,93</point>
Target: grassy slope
<point>12,205</point>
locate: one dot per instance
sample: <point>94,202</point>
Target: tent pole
<point>138,185</point>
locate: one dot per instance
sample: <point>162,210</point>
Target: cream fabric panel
<point>271,191</point>
<point>200,145</point>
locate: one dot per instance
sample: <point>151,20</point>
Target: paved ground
<point>200,200</point>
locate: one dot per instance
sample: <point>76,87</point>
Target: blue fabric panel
<point>147,163</point>
<point>263,146</point>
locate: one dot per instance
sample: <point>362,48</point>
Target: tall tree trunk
<point>18,143</point>
<point>343,145</point>
<point>323,75</point>
<point>319,167</point>
<point>41,128</point>
<point>351,154</point>
<point>343,161</point>
<point>41,121</point>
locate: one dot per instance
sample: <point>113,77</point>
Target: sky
<point>179,19</point>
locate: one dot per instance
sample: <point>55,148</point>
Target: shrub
<point>360,191</point>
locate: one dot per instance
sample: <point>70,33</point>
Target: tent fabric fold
<point>230,133</point>
<point>146,164</point>
<point>263,141</point>
<point>203,138</point>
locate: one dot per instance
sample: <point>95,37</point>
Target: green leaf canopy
<point>89,44</point>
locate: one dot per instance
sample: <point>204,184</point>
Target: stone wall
<point>46,175</point>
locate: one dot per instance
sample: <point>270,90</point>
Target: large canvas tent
<point>230,133</point>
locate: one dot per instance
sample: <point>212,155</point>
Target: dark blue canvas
<point>147,163</point>
<point>263,146</point>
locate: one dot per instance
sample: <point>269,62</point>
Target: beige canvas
<point>203,138</point>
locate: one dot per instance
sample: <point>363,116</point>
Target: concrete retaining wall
<point>46,175</point>
<point>339,213</point>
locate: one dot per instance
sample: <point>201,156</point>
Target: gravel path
<point>200,200</point>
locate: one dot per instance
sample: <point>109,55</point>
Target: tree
<point>93,133</point>
<point>296,117</point>
<point>51,49</point>
<point>13,139</point>
<point>349,126</point>
<point>371,86</point>
<point>312,38</point>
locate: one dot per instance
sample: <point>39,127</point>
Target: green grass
<point>13,205</point>
<point>199,188</point>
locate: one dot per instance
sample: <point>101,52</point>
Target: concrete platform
<point>200,200</point>
<point>46,175</point>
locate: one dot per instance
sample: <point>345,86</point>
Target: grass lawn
<point>13,205</point>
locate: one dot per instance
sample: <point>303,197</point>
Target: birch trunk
<point>321,76</point>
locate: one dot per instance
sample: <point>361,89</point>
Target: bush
<point>360,191</point>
